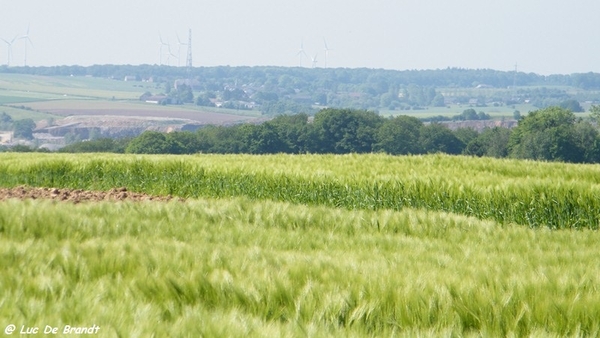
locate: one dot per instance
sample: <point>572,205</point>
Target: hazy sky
<point>541,36</point>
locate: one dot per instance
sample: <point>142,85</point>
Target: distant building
<point>194,84</point>
<point>156,99</point>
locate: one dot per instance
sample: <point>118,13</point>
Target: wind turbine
<point>314,60</point>
<point>27,39</point>
<point>162,43</point>
<point>170,54</point>
<point>179,44</point>
<point>326,51</point>
<point>301,53</point>
<point>9,49</point>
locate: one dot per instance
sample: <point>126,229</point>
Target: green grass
<point>235,267</point>
<point>4,100</point>
<point>76,86</point>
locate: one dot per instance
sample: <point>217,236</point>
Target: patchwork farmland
<point>82,105</point>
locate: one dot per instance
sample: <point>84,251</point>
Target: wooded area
<point>551,134</point>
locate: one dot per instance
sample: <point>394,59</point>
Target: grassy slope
<point>235,267</point>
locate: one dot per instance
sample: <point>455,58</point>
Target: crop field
<point>310,245</point>
<point>455,109</point>
<point>56,87</point>
<point>130,109</point>
<point>41,97</point>
<point>15,99</point>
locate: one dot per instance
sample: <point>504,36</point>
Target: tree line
<point>278,90</point>
<point>323,77</point>
<point>550,134</point>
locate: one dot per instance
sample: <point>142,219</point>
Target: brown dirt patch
<point>77,195</point>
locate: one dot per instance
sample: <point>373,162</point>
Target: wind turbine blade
<point>161,40</point>
<point>179,41</point>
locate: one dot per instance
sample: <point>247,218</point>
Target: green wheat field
<point>305,245</point>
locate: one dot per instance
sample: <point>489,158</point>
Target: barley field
<point>294,246</point>
<point>534,194</point>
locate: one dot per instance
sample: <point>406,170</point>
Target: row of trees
<point>549,134</point>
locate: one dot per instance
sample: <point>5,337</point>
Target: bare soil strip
<point>77,195</point>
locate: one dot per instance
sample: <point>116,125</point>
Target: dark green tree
<point>547,134</point>
<point>103,145</point>
<point>399,135</point>
<point>5,121</point>
<point>5,118</point>
<point>588,139</point>
<point>153,142</point>
<point>293,131</point>
<point>466,135</point>
<point>221,139</point>
<point>438,101</point>
<point>21,148</point>
<point>23,128</point>
<point>572,105</point>
<point>491,142</point>
<point>517,115</point>
<point>595,113</point>
<point>343,131</point>
<point>264,139</point>
<point>436,137</point>
<point>190,144</point>
<point>203,99</point>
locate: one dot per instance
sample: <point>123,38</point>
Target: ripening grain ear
<point>241,267</point>
<point>533,194</point>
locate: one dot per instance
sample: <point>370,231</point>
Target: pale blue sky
<point>542,36</point>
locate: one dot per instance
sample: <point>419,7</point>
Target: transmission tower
<point>189,63</point>
<point>514,86</point>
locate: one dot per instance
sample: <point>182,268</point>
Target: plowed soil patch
<point>77,196</point>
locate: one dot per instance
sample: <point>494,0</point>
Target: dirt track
<point>77,196</point>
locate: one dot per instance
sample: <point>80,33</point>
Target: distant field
<point>127,108</point>
<point>19,114</point>
<point>54,97</point>
<point>82,87</point>
<point>15,99</point>
<point>495,112</point>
